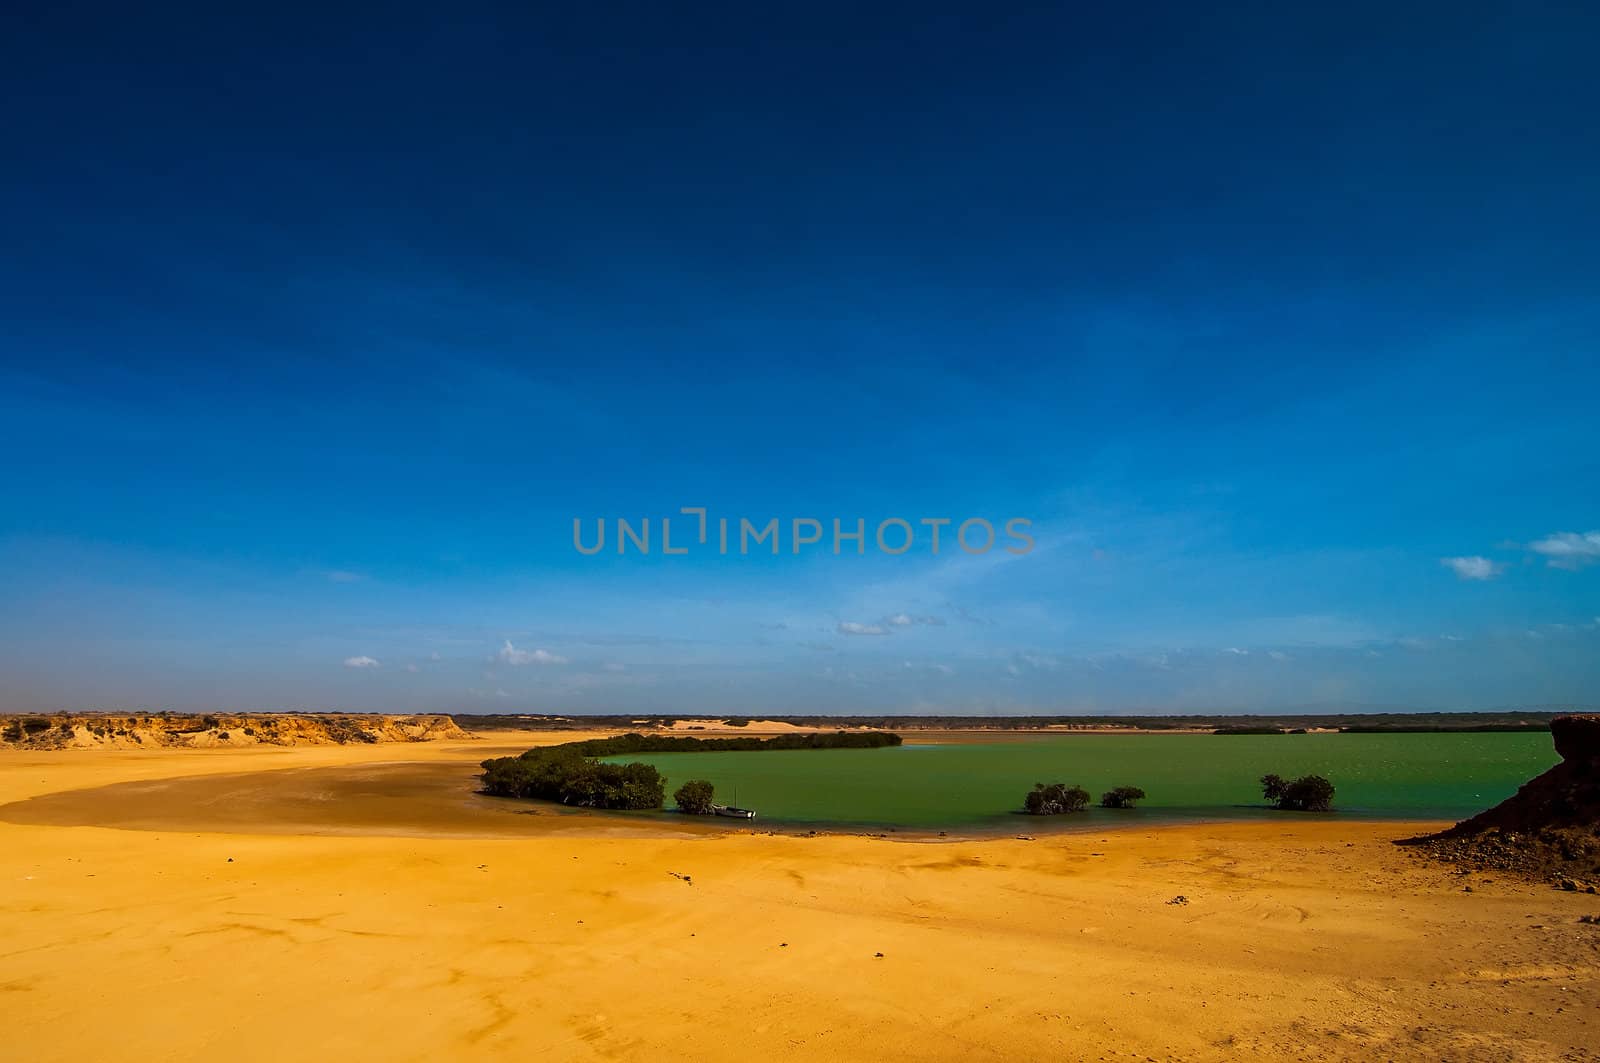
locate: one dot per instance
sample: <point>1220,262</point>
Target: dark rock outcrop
<point>1577,738</point>
<point>1548,828</point>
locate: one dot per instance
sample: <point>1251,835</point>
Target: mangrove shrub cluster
<point>572,774</point>
<point>1121,797</point>
<point>563,774</point>
<point>1054,799</point>
<point>1309,793</point>
<point>694,797</point>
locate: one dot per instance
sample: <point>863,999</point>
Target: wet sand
<point>353,902</point>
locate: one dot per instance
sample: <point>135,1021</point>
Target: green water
<point>1424,776</point>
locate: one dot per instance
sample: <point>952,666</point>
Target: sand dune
<point>398,919</point>
<point>110,730</point>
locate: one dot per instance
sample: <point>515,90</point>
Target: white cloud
<point>1237,652</point>
<point>850,627</point>
<point>361,662</point>
<point>412,668</point>
<point>614,667</point>
<point>509,654</point>
<point>1569,550</point>
<point>906,620</point>
<point>1277,655</point>
<point>1473,568</point>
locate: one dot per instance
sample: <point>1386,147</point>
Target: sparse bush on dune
<point>1054,799</point>
<point>1121,797</point>
<point>1309,793</point>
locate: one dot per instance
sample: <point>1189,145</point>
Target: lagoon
<point>932,785</point>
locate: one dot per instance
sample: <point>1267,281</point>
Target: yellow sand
<point>574,939</point>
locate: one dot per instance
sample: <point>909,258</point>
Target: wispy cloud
<point>1473,568</point>
<point>361,662</point>
<point>339,575</point>
<point>509,654</point>
<point>907,620</point>
<point>850,627</point>
<point>1569,550</point>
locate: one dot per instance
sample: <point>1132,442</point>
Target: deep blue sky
<point>318,328</point>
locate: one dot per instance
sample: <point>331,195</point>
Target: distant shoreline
<point>151,730</point>
<point>1516,721</point>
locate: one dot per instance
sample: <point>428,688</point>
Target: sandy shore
<point>151,908</point>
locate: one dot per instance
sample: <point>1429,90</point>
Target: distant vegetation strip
<point>634,742</point>
<point>1420,728</point>
<point>573,774</point>
<point>1257,731</point>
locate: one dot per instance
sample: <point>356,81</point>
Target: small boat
<point>733,811</point>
